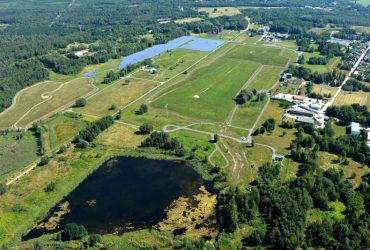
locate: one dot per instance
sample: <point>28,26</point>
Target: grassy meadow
<point>17,149</point>
<point>208,93</point>
<point>261,54</point>
<point>118,93</point>
<point>347,98</point>
<point>219,11</point>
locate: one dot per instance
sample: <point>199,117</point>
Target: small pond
<point>122,195</point>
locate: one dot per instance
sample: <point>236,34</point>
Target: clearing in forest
<point>220,11</point>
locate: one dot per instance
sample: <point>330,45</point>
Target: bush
<point>72,231</point>
<point>143,109</point>
<point>44,160</point>
<point>93,239</point>
<point>82,144</point>
<point>3,188</point>
<point>81,102</point>
<point>50,187</point>
<point>146,129</point>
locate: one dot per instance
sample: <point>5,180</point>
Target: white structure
<point>355,129</point>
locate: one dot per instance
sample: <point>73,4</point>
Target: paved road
<point>331,101</point>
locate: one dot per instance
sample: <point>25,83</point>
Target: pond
<point>123,194</point>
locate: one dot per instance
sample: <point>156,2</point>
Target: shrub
<point>44,160</point>
<point>93,239</point>
<point>146,129</point>
<point>72,231</point>
<point>3,188</point>
<point>81,102</point>
<point>50,187</point>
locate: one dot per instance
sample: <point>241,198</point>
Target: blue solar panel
<point>90,73</point>
<point>184,42</point>
<point>202,44</point>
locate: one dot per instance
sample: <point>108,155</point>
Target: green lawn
<point>261,54</point>
<point>15,153</point>
<point>208,93</point>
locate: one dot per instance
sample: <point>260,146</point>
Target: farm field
<point>118,93</point>
<point>170,63</point>
<point>189,20</point>
<point>324,89</point>
<point>202,94</point>
<point>266,78</point>
<point>220,11</point>
<point>261,54</point>
<point>246,114</point>
<point>17,149</point>
<point>245,39</point>
<point>65,95</point>
<point>58,130</point>
<point>347,98</point>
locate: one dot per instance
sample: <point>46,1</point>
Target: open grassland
<point>220,11</point>
<point>226,35</point>
<point>261,54</point>
<point>120,136</point>
<point>16,150</point>
<point>348,98</point>
<point>246,114</point>
<point>362,29</point>
<point>118,93</point>
<point>171,63</point>
<point>24,100</point>
<point>324,89</point>
<point>189,20</point>
<point>209,92</point>
<point>276,139</point>
<point>59,129</point>
<point>101,69</point>
<point>246,39</point>
<point>320,68</point>
<point>256,156</point>
<point>290,44</point>
<point>56,100</point>
<point>266,78</point>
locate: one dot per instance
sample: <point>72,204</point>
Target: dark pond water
<point>125,194</point>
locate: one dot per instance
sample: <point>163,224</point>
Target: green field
<point>246,114</point>
<point>226,35</point>
<point>261,54</point>
<point>266,78</point>
<point>58,130</point>
<point>220,11</point>
<point>118,93</point>
<point>364,2</point>
<point>171,63</point>
<point>208,93</point>
<point>17,149</point>
<point>319,68</point>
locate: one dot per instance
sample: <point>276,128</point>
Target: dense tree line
<point>318,60</point>
<point>335,77</point>
<point>244,96</point>
<point>356,85</point>
<point>93,129</point>
<point>350,113</point>
<point>162,140</point>
<point>115,75</point>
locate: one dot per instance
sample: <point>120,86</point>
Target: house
<point>299,98</point>
<point>285,76</point>
<point>355,129</point>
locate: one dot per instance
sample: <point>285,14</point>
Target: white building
<point>355,129</point>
